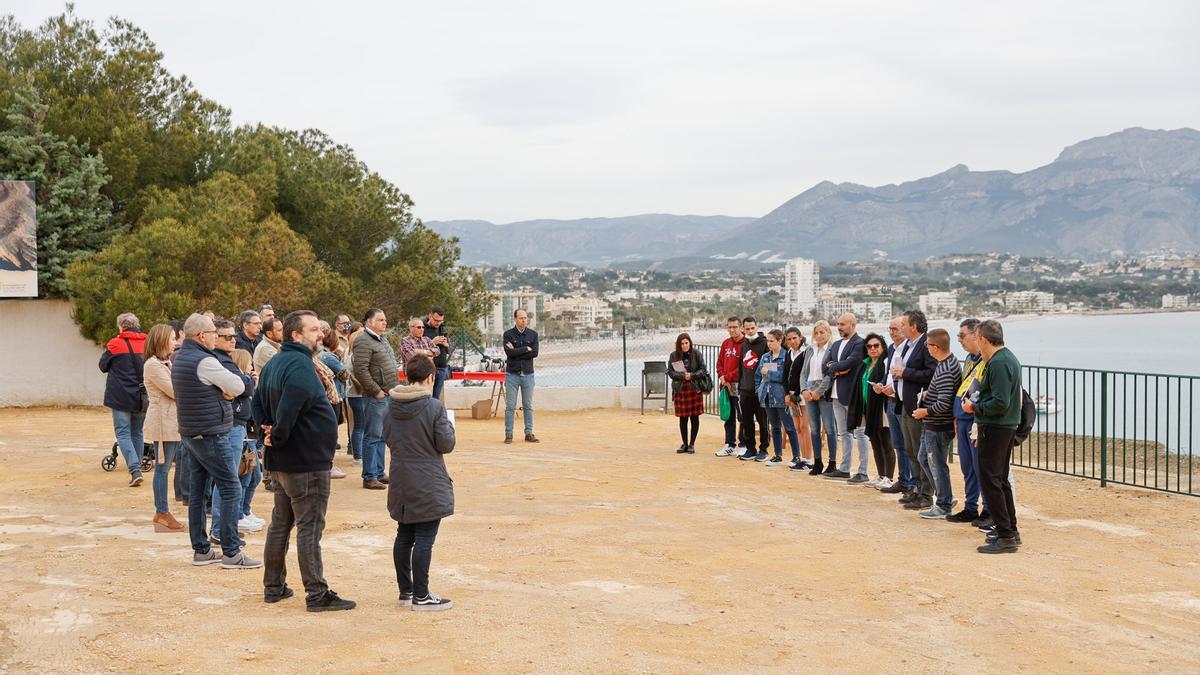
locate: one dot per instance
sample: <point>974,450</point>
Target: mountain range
<point>1136,190</point>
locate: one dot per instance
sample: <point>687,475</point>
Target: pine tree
<point>74,217</point>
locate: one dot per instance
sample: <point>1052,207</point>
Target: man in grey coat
<point>377,372</point>
<point>419,433</point>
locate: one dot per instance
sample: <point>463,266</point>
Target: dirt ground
<point>599,549</point>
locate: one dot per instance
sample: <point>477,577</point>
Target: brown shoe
<point>373,485</point>
<point>165,522</point>
<point>384,480</point>
<point>530,438</point>
<point>508,440</point>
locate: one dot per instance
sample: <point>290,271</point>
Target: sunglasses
<point>227,337</point>
<point>874,345</point>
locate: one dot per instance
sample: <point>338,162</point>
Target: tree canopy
<point>145,154</point>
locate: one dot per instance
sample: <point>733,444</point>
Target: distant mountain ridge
<point>587,241</point>
<point>1136,190</point>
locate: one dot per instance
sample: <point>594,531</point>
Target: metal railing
<point>1114,426</point>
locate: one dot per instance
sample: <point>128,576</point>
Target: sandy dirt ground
<point>598,550</point>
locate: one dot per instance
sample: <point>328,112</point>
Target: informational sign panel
<point>18,239</point>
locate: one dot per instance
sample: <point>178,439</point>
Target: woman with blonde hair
<point>246,518</point>
<point>814,389</point>
<point>162,425</point>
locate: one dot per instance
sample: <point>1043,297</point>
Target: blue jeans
<point>780,420</point>
<point>128,428</point>
<point>966,456</point>
<point>165,454</point>
<point>934,456</point>
<point>358,406</point>
<point>373,444</point>
<point>820,413</point>
<point>840,415</point>
<point>904,473</point>
<point>512,382</point>
<point>439,381</point>
<point>210,458</point>
<point>250,482</point>
<point>235,440</point>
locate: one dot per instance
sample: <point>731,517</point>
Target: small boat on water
<point>1046,405</point>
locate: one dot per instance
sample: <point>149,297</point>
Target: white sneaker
<point>247,525</point>
<point>336,473</point>
<point>725,451</point>
<point>884,483</point>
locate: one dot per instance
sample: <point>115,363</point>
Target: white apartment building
<point>500,318</point>
<point>872,312</point>
<point>1175,301</point>
<point>1028,301</point>
<point>801,285</point>
<point>939,304</point>
<point>584,312</point>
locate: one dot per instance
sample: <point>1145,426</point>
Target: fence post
<point>624,356</point>
<point>1103,429</point>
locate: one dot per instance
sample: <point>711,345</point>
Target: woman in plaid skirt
<point>683,366</point>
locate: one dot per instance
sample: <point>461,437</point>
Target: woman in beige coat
<point>162,425</point>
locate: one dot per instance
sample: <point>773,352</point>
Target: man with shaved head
<point>203,391</point>
<point>842,362</point>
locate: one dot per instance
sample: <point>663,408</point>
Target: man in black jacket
<point>911,377</point>
<point>754,345</point>
<point>842,361</point>
<point>122,362</point>
<point>300,431</point>
<point>521,348</point>
<point>435,330</point>
<point>249,325</point>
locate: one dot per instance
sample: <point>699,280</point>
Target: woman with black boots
<point>684,367</point>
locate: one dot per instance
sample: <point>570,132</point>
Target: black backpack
<point>1028,417</point>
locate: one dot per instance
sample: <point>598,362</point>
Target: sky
<point>507,111</point>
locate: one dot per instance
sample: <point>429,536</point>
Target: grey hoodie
<point>418,433</point>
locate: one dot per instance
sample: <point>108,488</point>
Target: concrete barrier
<point>46,360</point>
<point>557,398</point>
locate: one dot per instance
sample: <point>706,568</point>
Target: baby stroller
<point>147,464</point>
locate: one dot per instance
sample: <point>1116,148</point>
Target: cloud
<point>541,96</point>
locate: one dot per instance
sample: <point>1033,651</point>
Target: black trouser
<point>751,412</point>
<point>995,454</point>
<point>683,429</point>
<point>412,553</point>
<point>731,424</point>
<point>912,429</point>
<point>300,501</point>
<point>885,456</point>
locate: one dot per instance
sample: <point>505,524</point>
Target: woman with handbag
<point>250,467</point>
<point>770,385</point>
<point>161,426</point>
<point>687,371</point>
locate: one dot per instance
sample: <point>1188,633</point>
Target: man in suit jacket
<point>912,376</point>
<point>904,476</point>
<point>842,363</point>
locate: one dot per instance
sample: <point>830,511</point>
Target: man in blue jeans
<point>967,452</point>
<point>122,362</point>
<point>203,392</point>
<point>377,372</point>
<point>904,474</point>
<point>435,330</point>
<point>521,348</point>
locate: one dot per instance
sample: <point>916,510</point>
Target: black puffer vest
<point>202,409</point>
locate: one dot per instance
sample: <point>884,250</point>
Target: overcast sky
<point>513,110</point>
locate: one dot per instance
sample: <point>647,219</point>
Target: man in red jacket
<point>727,371</point>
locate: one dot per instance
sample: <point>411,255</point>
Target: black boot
<point>817,469</point>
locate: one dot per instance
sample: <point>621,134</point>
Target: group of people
<point>226,403</point>
<point>906,400</point>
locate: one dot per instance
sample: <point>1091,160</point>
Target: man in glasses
<point>226,344</point>
<point>968,455</point>
<point>204,390</point>
<point>249,333</point>
<point>416,344</point>
<point>435,330</point>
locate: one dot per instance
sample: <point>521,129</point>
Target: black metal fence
<point>1114,426</point>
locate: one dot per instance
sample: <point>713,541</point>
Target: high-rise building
<point>939,304</point>
<point>1028,301</point>
<point>500,318</point>
<point>801,282</point>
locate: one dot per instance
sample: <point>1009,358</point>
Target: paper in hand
<point>450,416</point>
<point>678,367</point>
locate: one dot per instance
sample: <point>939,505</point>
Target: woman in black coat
<point>684,365</point>
<point>874,375</point>
<point>420,493</point>
<point>796,349</point>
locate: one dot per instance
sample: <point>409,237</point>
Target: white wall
<point>46,360</point>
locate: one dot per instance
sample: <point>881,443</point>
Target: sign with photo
<point>18,239</point>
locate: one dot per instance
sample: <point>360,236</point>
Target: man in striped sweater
<point>937,414</point>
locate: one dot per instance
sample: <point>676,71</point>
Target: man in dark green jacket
<point>997,409</point>
<point>300,431</point>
